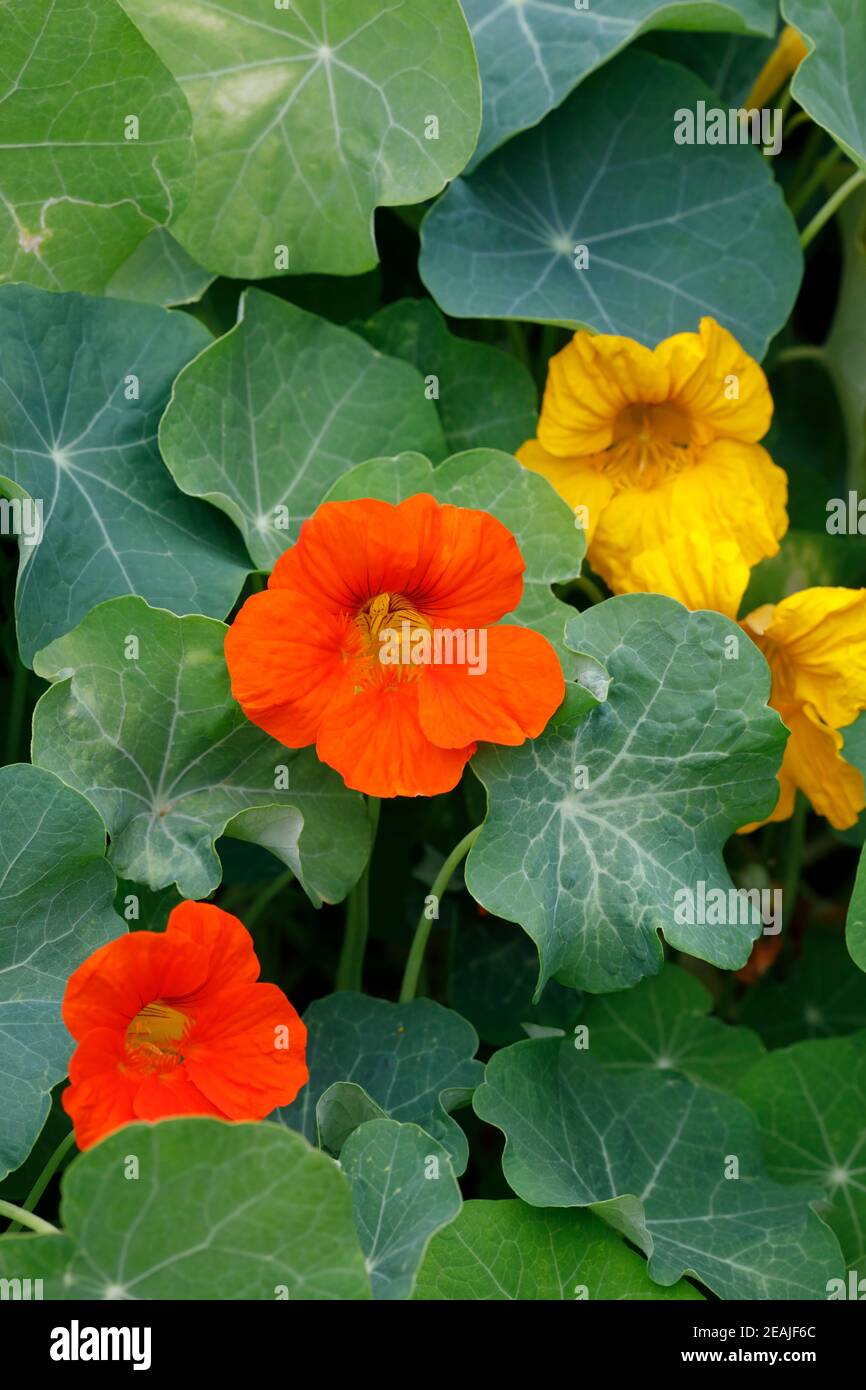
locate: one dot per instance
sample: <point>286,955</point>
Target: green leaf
<point>415,1061</point>
<point>142,721</point>
<point>339,1112</point>
<point>493,972</point>
<point>159,271</point>
<point>81,187</point>
<point>831,82</point>
<point>72,439</point>
<point>486,398</point>
<point>661,1025</point>
<point>56,892</point>
<point>809,1101</point>
<point>597,830</point>
<point>403,1192</point>
<point>269,417</point>
<point>215,1211</point>
<point>844,348</point>
<point>819,996</point>
<point>307,118</point>
<point>532,54</point>
<point>550,543</point>
<point>501,1250</point>
<point>729,63</point>
<point>855,927</point>
<point>672,231</point>
<point>650,1154</point>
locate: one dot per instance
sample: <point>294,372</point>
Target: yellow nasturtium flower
<point>785,59</point>
<point>656,450</point>
<point>815,643</point>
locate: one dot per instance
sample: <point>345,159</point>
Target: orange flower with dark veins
<point>376,640</point>
<point>176,1023</point>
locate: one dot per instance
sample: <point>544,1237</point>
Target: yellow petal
<point>576,481</point>
<point>785,59</point>
<point>717,383</point>
<point>813,762</point>
<point>735,490</point>
<point>588,383</point>
<point>815,642</point>
<point>698,569</point>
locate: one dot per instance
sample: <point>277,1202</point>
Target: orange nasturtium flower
<point>815,643</point>
<point>786,57</point>
<point>176,1023</point>
<point>657,452</point>
<point>375,640</point>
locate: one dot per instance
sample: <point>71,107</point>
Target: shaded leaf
<point>821,994</point>
<point>56,892</point>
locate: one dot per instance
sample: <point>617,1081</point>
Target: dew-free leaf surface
<point>810,1103</point>
<point>532,54</point>
<point>403,1192</point>
<point>415,1061</point>
<point>830,83</point>
<point>83,383</point>
<point>600,832</point>
<point>671,231</point>
<point>157,743</point>
<point>508,1250</point>
<point>650,1154</point>
<point>80,186</point>
<point>308,117</point>
<point>269,417</point>
<point>56,892</point>
<point>217,1211</point>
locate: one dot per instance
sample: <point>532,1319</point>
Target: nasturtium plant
<point>433,662</point>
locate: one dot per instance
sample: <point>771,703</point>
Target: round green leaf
<point>56,892</point>
<point>81,185</point>
<point>820,994</point>
<point>855,928</point>
<point>264,421</point>
<point>595,827</point>
<point>831,82</point>
<point>502,1250</point>
<point>550,543</point>
<point>485,398</point>
<point>308,117</point>
<point>810,1101</point>
<point>661,1025</point>
<point>403,1192</point>
<point>198,1209</point>
<point>533,53</point>
<point>675,1167</point>
<point>415,1061</point>
<point>672,231</point>
<point>83,383</point>
<point>159,271</point>
<point>142,721</point>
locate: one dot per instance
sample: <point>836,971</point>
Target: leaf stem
<point>267,894</point>
<point>832,205</point>
<point>351,963</point>
<point>21,1218</point>
<point>794,853</point>
<point>44,1179</point>
<point>425,923</point>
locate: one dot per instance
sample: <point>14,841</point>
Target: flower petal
<point>246,1052</point>
<point>113,985</point>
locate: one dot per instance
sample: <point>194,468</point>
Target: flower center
<point>650,442</point>
<point>155,1036</point>
<point>387,624</point>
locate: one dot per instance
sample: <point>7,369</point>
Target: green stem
<point>351,963</point>
<point>267,894</point>
<point>799,200</point>
<point>794,854</point>
<point>804,352</point>
<point>44,1179</point>
<point>832,205</point>
<point>425,923</point>
<point>588,587</point>
<point>518,341</point>
<point>806,162</point>
<point>16,710</point>
<point>26,1218</point>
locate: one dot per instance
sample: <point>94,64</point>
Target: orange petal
<point>511,700</point>
<point>373,738</point>
<point>246,1053</point>
<point>232,958</point>
<point>287,661</point>
<point>164,1094</point>
<point>101,1096</point>
<point>113,985</point>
